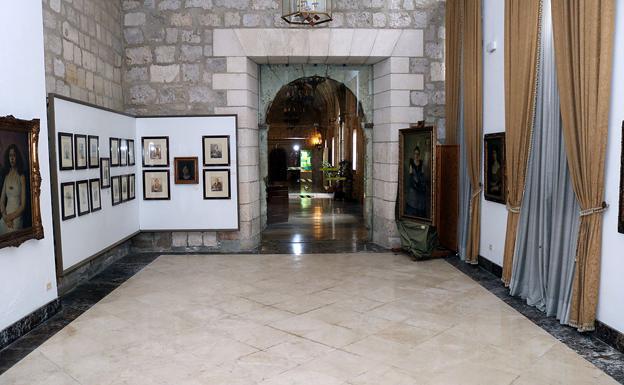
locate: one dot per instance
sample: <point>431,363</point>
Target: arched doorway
<point>316,149</point>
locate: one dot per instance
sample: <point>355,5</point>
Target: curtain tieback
<point>513,209</point>
<point>596,210</point>
<point>477,193</point>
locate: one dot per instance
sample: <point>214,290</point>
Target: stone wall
<point>84,50</point>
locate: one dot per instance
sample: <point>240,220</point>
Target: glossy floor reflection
<point>323,319</point>
<point>318,225</point>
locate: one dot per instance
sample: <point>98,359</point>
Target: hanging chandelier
<point>307,12</point>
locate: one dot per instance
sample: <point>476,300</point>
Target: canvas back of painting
<point>417,174</point>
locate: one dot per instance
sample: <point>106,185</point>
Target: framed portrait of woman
<point>20,181</point>
<point>186,170</point>
<point>417,174</point>
<point>495,189</point>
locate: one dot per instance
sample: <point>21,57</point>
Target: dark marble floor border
<point>28,323</point>
<point>588,345</point>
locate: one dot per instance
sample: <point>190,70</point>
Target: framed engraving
<point>114,152</point>
<point>131,153</point>
<point>216,150</point>
<point>80,144</point>
<point>68,200</point>
<point>83,195</point>
<point>124,188</point>
<point>417,174</point>
<point>186,170</point>
<point>495,188</point>
<point>131,187</point>
<point>155,151</point>
<point>217,184</point>
<point>123,152</point>
<point>156,185</point>
<point>66,151</point>
<point>96,195</point>
<point>116,190</point>
<point>105,173</point>
<point>20,181</point>
<point>94,151</point>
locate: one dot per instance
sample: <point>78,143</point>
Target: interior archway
<point>316,157</point>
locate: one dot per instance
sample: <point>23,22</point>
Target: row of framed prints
<point>79,152</point>
<point>156,186</point>
<point>216,151</point>
<point>84,196</point>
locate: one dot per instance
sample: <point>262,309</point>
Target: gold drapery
<point>583,34</point>
<point>453,43</point>
<point>473,116</point>
<point>521,53</point>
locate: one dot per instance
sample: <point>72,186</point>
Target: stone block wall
<point>84,50</point>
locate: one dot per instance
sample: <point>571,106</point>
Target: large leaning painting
<point>20,182</point>
<point>417,174</point>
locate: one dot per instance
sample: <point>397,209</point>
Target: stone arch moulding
<point>387,50</point>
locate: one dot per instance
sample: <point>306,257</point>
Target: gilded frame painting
<point>20,182</point>
<point>417,171</point>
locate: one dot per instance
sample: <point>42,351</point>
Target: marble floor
<point>322,319</point>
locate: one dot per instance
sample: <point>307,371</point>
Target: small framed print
<point>105,173</point>
<point>216,150</point>
<point>96,196</point>
<point>94,151</point>
<point>124,188</point>
<point>115,190</point>
<point>68,200</point>
<point>156,185</point>
<point>155,151</point>
<point>123,152</point>
<point>80,144</point>
<point>131,153</point>
<point>66,151</point>
<point>84,206</point>
<point>114,152</point>
<point>216,184</point>
<point>186,170</point>
<point>131,187</point>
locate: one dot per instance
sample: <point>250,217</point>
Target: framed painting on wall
<point>186,170</point>
<point>114,152</point>
<point>20,181</point>
<point>417,174</point>
<point>156,185</point>
<point>131,186</point>
<point>124,188</point>
<point>621,211</point>
<point>115,190</point>
<point>96,196</point>
<point>131,153</point>
<point>84,201</point>
<point>217,184</point>
<point>66,151</point>
<point>94,151</point>
<point>80,145</point>
<point>123,152</point>
<point>68,200</point>
<point>495,188</point>
<point>216,150</point>
<point>155,151</point>
<point>105,173</point>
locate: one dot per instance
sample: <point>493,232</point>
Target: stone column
<point>392,109</point>
<point>241,85</point>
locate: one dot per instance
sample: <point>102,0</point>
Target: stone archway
<point>388,51</point>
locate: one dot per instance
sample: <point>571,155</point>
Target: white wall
<point>25,271</point>
<point>493,215</point>
<point>611,300</point>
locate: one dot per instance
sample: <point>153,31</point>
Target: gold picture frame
<point>22,172</point>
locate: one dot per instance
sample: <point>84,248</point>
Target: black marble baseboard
<point>609,335</point>
<point>28,323</point>
<point>491,267</point>
<point>593,346</point>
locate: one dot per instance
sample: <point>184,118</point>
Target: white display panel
<point>187,209</point>
<point>84,236</point>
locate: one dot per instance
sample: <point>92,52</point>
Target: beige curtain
<point>453,67</point>
<point>583,32</point>
<point>473,116</point>
<point>521,51</point>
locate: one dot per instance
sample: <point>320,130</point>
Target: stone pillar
<point>241,85</point>
<point>392,108</point>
